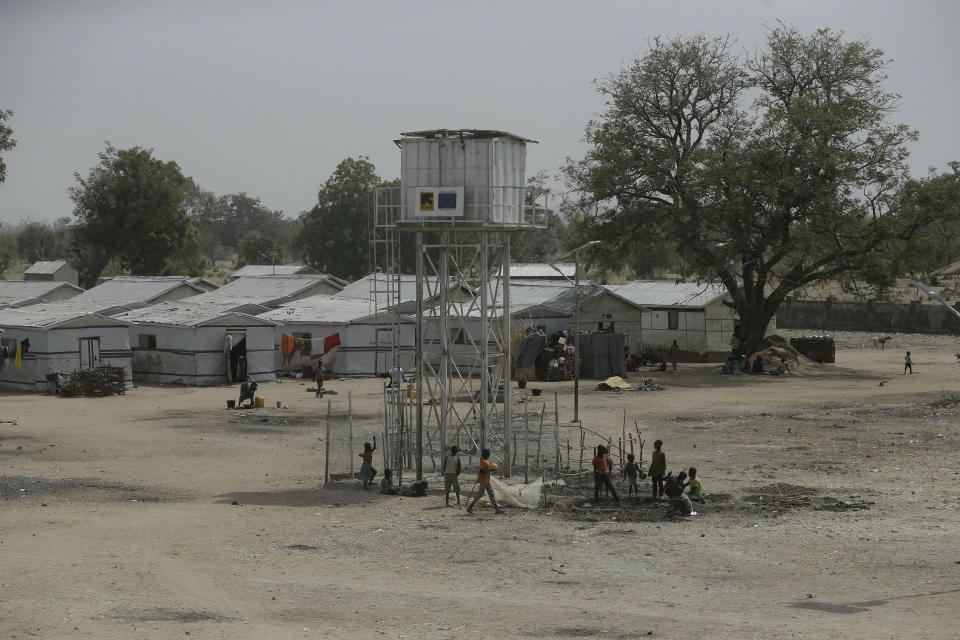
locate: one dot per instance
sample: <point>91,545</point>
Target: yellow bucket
<point>258,402</point>
<point>412,391</point>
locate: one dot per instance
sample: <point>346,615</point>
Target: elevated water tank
<point>463,177</point>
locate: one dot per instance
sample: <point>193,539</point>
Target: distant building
<point>273,270</point>
<point>20,293</point>
<point>51,270</point>
<point>543,271</point>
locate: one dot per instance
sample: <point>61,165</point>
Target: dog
<point>881,343</point>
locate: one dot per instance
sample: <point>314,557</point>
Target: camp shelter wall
<point>612,314</point>
<point>195,355</point>
<point>365,339</point>
<point>56,349</point>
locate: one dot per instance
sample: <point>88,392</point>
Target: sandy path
<point>146,543</point>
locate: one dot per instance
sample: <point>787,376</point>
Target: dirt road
<point>832,511</point>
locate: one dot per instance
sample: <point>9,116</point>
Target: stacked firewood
<point>99,381</point>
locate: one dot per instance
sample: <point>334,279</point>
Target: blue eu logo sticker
<point>446,200</point>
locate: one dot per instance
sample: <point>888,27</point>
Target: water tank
<point>466,177</point>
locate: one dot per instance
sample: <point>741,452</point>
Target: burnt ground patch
<point>165,614</point>
<point>28,487</point>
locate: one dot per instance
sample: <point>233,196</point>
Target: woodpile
<point>99,382</point>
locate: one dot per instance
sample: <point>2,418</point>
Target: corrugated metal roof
<point>268,291</point>
<point>949,270</point>
<point>408,287</point>
<point>203,283</point>
<point>184,313</point>
<point>49,315</point>
<point>135,289</point>
<point>474,134</point>
<point>271,270</point>
<point>542,270</point>
<point>45,267</point>
<point>321,309</point>
<point>16,291</point>
<point>666,293</point>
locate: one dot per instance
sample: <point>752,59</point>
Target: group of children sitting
<point>662,481</point>
<point>739,365</point>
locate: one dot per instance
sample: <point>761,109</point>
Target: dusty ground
<point>116,518</point>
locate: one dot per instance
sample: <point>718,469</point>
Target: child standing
<point>632,473</point>
<point>451,471</point>
<point>907,364</point>
<point>366,469</point>
<point>695,492</point>
<point>658,467</point>
<point>601,474</point>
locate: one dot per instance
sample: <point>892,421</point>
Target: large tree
<point>6,140</point>
<point>334,234</point>
<point>40,241</point>
<point>129,209</point>
<point>768,172</point>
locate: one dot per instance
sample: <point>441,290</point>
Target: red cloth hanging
<point>287,345</point>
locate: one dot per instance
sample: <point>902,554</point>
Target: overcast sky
<point>267,97</point>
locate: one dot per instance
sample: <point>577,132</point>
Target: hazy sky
<point>267,97</point>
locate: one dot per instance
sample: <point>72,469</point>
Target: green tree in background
<point>129,208</point>
<point>256,248</point>
<point>41,241</point>
<point>334,234</point>
<point>792,183</point>
<point>6,140</point>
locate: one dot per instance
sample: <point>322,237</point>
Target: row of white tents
<point>190,331</point>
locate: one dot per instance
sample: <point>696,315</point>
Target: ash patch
<point>164,614</point>
<point>26,487</point>
<point>780,497</point>
<point>583,632</point>
<point>302,547</point>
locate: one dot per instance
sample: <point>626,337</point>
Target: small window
<point>146,341</point>
<point>673,319</point>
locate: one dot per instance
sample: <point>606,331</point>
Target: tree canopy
<point>6,140</point>
<point>129,208</point>
<point>334,234</point>
<point>768,172</point>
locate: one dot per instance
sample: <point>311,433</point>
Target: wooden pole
<point>543,410</point>
<point>350,426</point>
<point>526,440</point>
<point>326,446</point>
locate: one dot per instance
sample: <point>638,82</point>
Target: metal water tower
<point>463,194</point>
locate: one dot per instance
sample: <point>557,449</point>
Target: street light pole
<point>576,345</point>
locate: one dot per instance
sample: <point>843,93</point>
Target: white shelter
<point>272,270</point>
<point>694,314</point>
<point>270,291</point>
<point>51,271</point>
<point>60,338</point>
<point>19,293</point>
<point>117,294</point>
<point>185,342</point>
<point>310,320</point>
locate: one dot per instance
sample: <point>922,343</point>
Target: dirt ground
<point>832,511</point>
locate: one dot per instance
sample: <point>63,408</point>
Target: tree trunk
<point>753,327</point>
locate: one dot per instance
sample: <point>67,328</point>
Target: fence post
<point>543,410</point>
<point>326,443</point>
<point>350,427</point>
<point>526,439</point>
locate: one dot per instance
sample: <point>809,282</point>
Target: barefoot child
<point>632,473</point>
<point>674,490</point>
<point>695,489</point>
<point>658,467</point>
<point>366,469</point>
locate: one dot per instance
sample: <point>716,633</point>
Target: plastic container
<point>258,402</point>
<point>231,404</point>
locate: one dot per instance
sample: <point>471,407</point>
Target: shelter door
<point>89,352</point>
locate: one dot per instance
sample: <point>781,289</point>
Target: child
<point>483,482</point>
<point>451,471</point>
<point>632,472</point>
<point>678,501</point>
<point>386,485</point>
<point>695,493</point>
<point>367,472</point>
<point>658,467</point>
<point>907,364</point>
<point>601,474</point>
